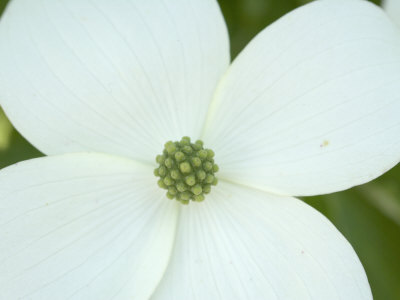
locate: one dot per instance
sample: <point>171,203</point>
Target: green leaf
<point>368,216</point>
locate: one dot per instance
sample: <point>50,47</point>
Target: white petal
<point>82,226</point>
<point>312,105</point>
<point>392,7</point>
<point>121,76</point>
<point>246,244</point>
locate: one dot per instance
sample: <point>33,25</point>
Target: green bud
<point>206,188</point>
<point>162,171</point>
<point>184,202</point>
<point>161,184</point>
<point>196,162</point>
<point>170,196</point>
<point>184,196</point>
<point>180,186</point>
<point>201,175</point>
<point>209,179</point>
<point>170,147</point>
<point>190,180</point>
<point>160,159</point>
<point>185,167</point>
<point>175,174</point>
<point>168,181</point>
<point>207,166</point>
<point>199,198</point>
<point>186,170</point>
<point>197,190</point>
<point>172,190</point>
<point>185,141</point>
<point>198,145</point>
<point>202,154</point>
<point>169,162</point>
<point>187,149</point>
<point>180,156</point>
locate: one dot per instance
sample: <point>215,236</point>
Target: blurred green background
<point>368,216</point>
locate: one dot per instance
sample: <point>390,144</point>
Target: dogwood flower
<point>311,106</point>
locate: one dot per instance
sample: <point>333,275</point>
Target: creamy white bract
<point>392,7</point>
<point>311,106</point>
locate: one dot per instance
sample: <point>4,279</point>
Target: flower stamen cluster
<point>186,170</point>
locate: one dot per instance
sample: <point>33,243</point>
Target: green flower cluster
<point>186,170</point>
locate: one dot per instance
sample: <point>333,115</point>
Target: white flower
<point>311,106</point>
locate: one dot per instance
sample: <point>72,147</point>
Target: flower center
<point>186,170</point>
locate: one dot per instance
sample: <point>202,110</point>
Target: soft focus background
<point>368,216</point>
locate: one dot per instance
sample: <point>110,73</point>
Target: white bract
<point>311,106</point>
<point>392,7</point>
